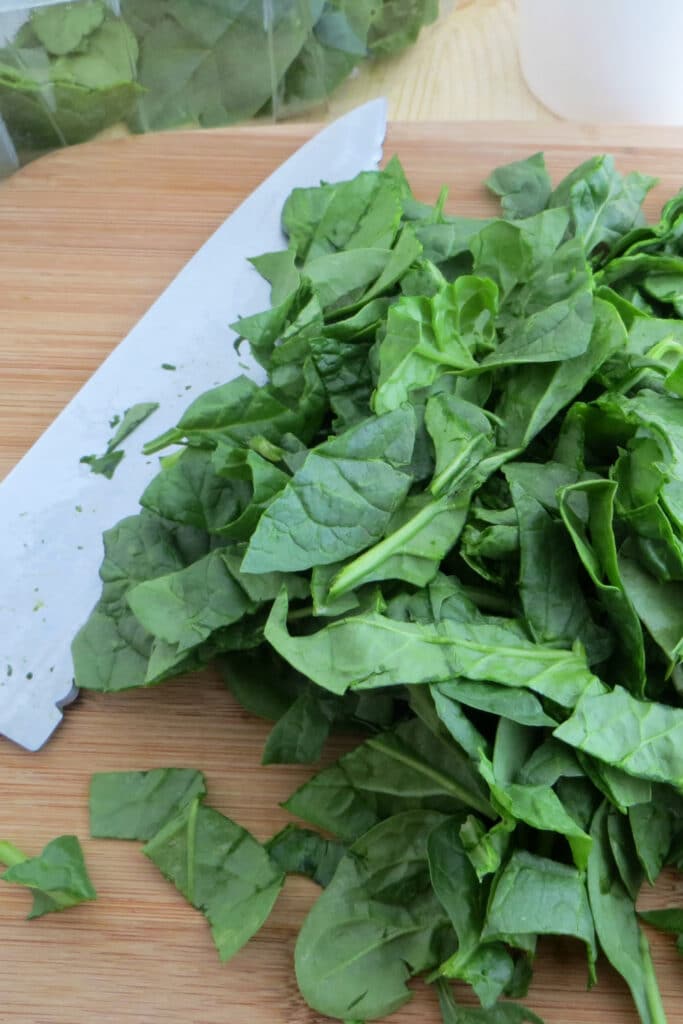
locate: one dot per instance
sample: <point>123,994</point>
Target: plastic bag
<point>68,71</point>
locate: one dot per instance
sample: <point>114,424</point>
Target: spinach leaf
<point>524,186</point>
<point>60,32</point>
<point>132,418</point>
<point>616,924</point>
<point>369,650</point>
<point>302,527</point>
<point>487,967</point>
<point>501,1013</point>
<point>666,920</point>
<point>378,918</point>
<point>598,554</point>
<point>553,601</point>
<point>57,877</point>
<point>302,852</point>
<point>641,737</point>
<point>603,204</point>
<point>516,705</point>
<point>403,769</point>
<point>427,337</point>
<point>185,607</point>
<point>261,681</point>
<point>651,826</point>
<point>196,487</point>
<point>112,650</point>
<point>538,806</point>
<point>537,896</point>
<point>240,411</point>
<point>134,805</point>
<point>451,714</point>
<point>538,392</point>
<point>220,869</point>
<point>299,735</point>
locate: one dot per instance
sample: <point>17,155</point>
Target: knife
<point>53,510</point>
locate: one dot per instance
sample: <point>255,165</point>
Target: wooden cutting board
<point>88,238</point>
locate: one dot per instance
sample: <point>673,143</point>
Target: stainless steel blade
<point>53,509</point>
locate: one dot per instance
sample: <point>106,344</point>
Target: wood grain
<point>88,237</point>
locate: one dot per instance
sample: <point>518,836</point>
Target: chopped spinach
<point>452,517</point>
<point>57,877</point>
<point>107,463</point>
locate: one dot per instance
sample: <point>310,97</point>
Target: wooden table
<point>88,237</point>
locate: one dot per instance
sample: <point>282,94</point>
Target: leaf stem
<point>652,993</point>
<point>169,437</point>
<point>11,854</point>
<point>300,613</point>
<point>359,568</point>
<point>191,844</point>
<point>458,467</point>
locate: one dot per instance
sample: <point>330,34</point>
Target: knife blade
<point>53,510</point>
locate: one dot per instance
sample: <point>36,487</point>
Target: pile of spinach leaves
<point>74,69</point>
<point>451,520</point>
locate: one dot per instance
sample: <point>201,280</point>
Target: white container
<point>605,60</point>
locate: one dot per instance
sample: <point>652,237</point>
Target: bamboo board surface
<point>88,238</point>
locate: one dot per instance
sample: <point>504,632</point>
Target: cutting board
<point>88,238</point>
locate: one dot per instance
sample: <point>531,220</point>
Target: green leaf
<point>658,605</point>
<point>299,851</point>
<point>450,712</point>
<point>553,601</point>
<point>104,465</point>
<point>524,186</point>
<point>134,805</point>
<point>488,968</point>
<point>642,738</point>
<point>603,204</point>
<point>370,650</point>
<point>185,607</point>
<point>623,849</point>
<point>378,918</point>
<point>406,769</point>
<point>538,392</point>
<point>502,1013</point>
<point>61,31</point>
<point>130,421</point>
<point>652,833</point>
<point>538,806</point>
<point>345,215</point>
<point>300,734</point>
<point>221,870</point>
<point>58,877</point>
<point>596,546</point>
<point>188,489</point>
<point>397,24</point>
<point>537,896</point>
<point>303,527</point>
<point>427,337</point>
<point>210,65</point>
<point>509,253</point>
<point>613,911</point>
<point>462,436</point>
<point>261,681</point>
<point>669,919</point>
<point>111,651</point>
<point>241,410</point>
<point>132,418</point>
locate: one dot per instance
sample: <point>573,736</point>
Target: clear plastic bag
<point>69,70</point>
